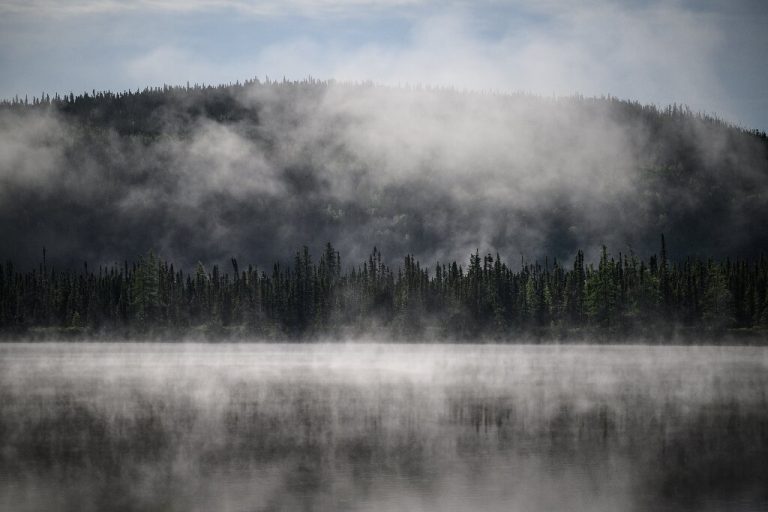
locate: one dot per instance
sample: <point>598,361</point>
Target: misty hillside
<point>257,170</point>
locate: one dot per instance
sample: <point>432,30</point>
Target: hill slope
<point>259,169</point>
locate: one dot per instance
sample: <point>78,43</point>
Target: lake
<point>382,427</point>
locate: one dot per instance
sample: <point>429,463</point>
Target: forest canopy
<point>621,297</point>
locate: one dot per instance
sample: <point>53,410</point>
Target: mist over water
<point>364,426</point>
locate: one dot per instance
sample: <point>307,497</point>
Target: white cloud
<point>652,51</point>
<point>252,7</point>
<point>659,54</point>
<point>656,53</point>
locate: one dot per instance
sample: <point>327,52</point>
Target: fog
<point>256,172</point>
<point>381,427</point>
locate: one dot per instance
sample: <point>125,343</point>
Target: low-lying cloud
<point>437,173</point>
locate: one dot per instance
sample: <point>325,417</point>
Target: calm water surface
<point>186,427</point>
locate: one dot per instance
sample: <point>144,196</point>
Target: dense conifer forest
<point>254,170</point>
<point>621,297</point>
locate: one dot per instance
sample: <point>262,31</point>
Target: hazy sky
<point>708,54</point>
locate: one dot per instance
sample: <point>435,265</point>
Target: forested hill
<point>621,297</point>
<point>255,170</point>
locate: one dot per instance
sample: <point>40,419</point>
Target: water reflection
<point>380,427</point>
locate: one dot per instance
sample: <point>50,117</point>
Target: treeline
<point>145,112</point>
<point>619,296</point>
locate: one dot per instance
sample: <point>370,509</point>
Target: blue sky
<point>708,54</point>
